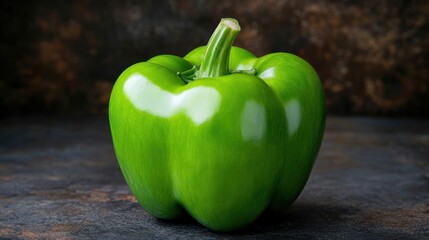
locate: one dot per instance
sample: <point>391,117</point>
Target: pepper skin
<point>220,133</point>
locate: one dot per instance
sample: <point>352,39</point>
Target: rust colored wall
<point>64,56</point>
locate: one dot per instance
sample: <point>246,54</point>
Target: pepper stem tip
<point>231,23</point>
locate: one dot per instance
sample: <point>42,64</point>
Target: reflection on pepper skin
<point>199,103</point>
<point>267,74</point>
<point>293,115</point>
<point>253,121</point>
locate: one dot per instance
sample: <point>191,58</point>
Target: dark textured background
<point>64,56</point>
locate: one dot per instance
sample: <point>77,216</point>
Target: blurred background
<point>63,57</point>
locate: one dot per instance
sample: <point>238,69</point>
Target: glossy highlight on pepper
<point>220,133</point>
<point>199,103</point>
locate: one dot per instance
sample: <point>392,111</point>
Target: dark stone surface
<point>64,56</point>
<point>59,179</point>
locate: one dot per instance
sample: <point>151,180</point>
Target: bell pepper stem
<point>215,61</point>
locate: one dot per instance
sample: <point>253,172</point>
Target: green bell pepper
<point>220,133</point>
